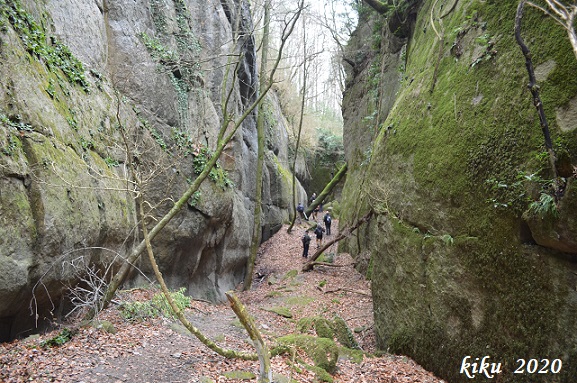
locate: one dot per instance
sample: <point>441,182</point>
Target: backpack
<point>328,219</point>
<point>300,208</point>
<point>319,230</point>
<point>306,239</point>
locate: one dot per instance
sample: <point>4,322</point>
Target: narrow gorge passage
<point>160,350</point>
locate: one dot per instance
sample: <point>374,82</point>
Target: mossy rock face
<point>324,352</point>
<point>452,261</point>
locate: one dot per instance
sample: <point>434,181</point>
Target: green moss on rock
<point>324,352</point>
<point>455,270</point>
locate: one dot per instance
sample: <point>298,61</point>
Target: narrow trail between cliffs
<point>161,350</point>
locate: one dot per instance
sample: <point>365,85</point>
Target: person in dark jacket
<point>319,230</point>
<point>300,211</point>
<point>306,239</point>
<point>327,220</point>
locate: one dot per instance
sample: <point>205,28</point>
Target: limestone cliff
<point>468,254</point>
<point>86,86</point>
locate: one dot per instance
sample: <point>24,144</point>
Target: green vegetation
<point>330,148</point>
<point>157,50</point>
<point>48,49</point>
<point>12,143</point>
<point>111,162</point>
<point>138,311</point>
<point>217,174</point>
<point>201,155</point>
<point>63,336</point>
<point>182,63</point>
<point>544,207</point>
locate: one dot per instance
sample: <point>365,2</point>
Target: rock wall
<point>466,256</point>
<point>84,87</point>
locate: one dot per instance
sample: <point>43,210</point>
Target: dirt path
<point>161,350</point>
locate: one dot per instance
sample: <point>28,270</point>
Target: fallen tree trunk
<point>344,234</point>
<point>327,190</point>
<point>265,375</point>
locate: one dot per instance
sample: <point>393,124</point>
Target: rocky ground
<point>161,350</point>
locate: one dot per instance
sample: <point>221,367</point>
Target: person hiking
<point>306,242</point>
<point>313,197</point>
<point>300,211</point>
<point>327,220</point>
<point>319,233</point>
<point>315,212</point>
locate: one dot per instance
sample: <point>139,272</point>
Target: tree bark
<point>265,373</point>
<point>227,353</point>
<point>301,119</point>
<point>534,88</point>
<point>327,190</point>
<point>344,234</point>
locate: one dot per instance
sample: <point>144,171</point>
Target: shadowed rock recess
<point>468,254</point>
<point>74,76</point>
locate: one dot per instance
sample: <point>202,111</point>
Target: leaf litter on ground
<point>161,350</point>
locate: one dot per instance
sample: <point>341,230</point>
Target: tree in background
<point>305,67</point>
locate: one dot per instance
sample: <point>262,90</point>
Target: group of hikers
<point>319,230</point>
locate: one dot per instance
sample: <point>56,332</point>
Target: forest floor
<point>159,349</point>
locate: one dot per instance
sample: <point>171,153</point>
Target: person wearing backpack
<point>319,230</point>
<point>327,220</point>
<point>300,211</point>
<point>306,239</point>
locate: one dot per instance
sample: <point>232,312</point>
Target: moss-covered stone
<point>282,311</point>
<point>322,327</point>
<point>450,170</point>
<point>343,333</point>
<point>324,352</point>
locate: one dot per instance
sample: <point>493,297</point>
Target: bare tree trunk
<point>265,373</point>
<point>344,234</point>
<point>227,353</point>
<point>327,190</point>
<point>534,88</point>
<point>301,118</point>
<point>573,40</point>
